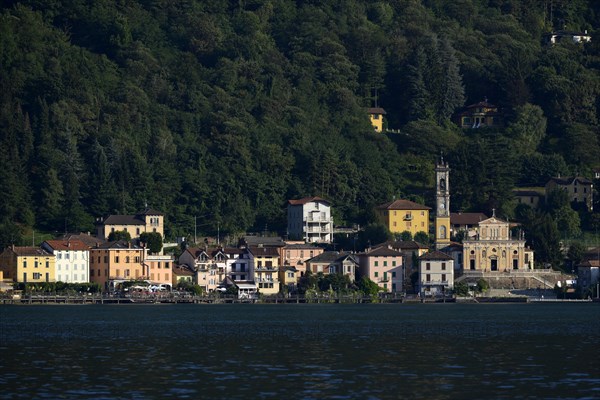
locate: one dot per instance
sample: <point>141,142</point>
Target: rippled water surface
<point>422,351</point>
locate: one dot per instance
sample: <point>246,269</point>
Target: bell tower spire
<point>442,204</point>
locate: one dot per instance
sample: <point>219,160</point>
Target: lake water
<point>298,351</point>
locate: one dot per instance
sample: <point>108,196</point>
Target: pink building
<point>383,266</point>
<point>296,254</point>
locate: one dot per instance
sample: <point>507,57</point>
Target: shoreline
<point>82,300</point>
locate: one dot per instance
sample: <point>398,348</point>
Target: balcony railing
<point>266,268</point>
<point>318,219</point>
<point>408,217</point>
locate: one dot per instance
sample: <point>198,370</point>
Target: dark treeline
<point>223,110</point>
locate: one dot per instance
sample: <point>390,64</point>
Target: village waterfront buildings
<point>278,265</point>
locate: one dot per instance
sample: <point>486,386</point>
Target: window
<point>428,266</point>
<point>443,277</point>
<point>376,263</point>
<point>47,264</point>
<point>127,259</point>
<point>376,116</point>
<point>443,266</point>
<point>91,272</point>
<point>428,278</point>
<point>24,263</point>
<point>35,264</point>
<point>385,263</point>
<point>116,259</point>
<point>376,274</point>
<point>393,263</point>
<point>393,274</point>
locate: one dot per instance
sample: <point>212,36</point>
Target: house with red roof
<point>72,260</point>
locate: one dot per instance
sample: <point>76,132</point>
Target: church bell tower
<point>442,204</point>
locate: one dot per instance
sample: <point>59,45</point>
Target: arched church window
<point>443,184</point>
<point>442,232</point>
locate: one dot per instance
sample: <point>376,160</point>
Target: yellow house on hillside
<point>27,264</point>
<point>376,117</point>
<point>404,215</point>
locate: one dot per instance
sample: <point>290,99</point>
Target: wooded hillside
<point>224,110</point>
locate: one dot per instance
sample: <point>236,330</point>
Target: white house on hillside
<point>310,219</point>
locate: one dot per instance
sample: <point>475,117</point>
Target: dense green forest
<point>224,110</point>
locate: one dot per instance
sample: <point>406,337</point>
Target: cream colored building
<point>495,250</point>
<point>436,273</point>
<point>145,221</point>
<point>580,190</point>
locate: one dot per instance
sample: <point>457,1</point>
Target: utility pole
<point>195,225</point>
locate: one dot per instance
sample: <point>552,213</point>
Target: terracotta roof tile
<point>402,205</point>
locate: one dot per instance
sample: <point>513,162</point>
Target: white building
<point>436,273</point>
<point>72,260</point>
<point>310,219</point>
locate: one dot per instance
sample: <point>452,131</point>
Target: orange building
<point>118,260</point>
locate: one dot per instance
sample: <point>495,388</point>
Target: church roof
<point>493,220</point>
<point>466,218</point>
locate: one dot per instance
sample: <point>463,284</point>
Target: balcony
<point>319,219</point>
<point>266,268</point>
<point>408,217</point>
<point>316,229</point>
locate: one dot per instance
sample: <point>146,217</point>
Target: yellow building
<point>288,278</point>
<point>266,269</point>
<point>495,249</point>
<point>376,117</point>
<point>404,215</point>
<point>27,264</point>
<point>442,204</point>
